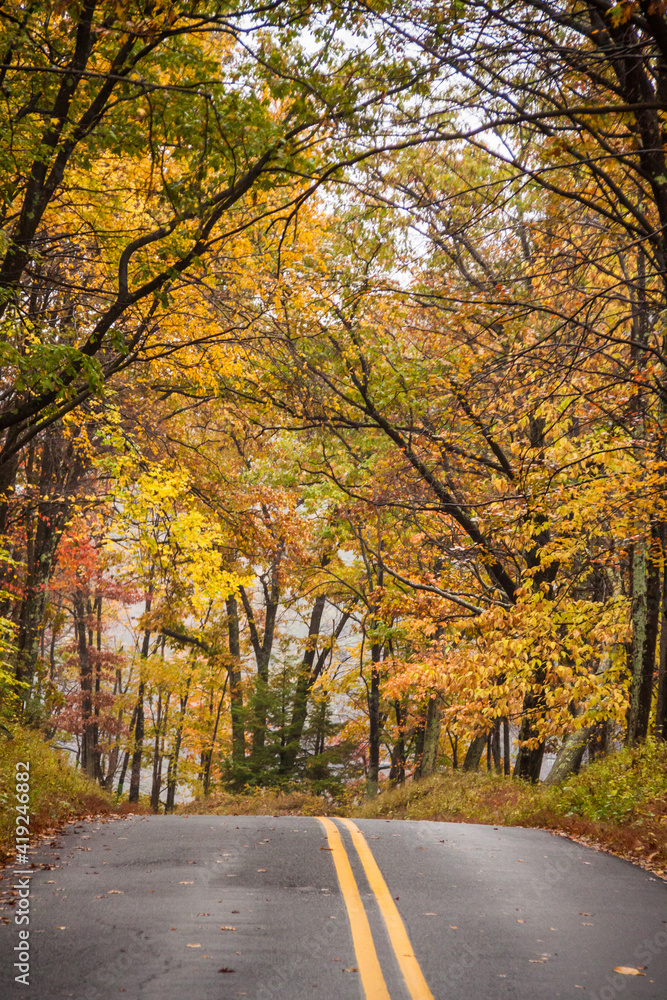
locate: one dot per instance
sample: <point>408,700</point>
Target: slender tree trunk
<point>304,684</point>
<point>432,736</point>
<point>418,756</point>
<point>209,755</point>
<point>157,763</point>
<point>397,769</point>
<point>529,759</point>
<point>374,723</point>
<point>137,754</point>
<point>88,744</point>
<point>172,767</point>
<point>507,763</point>
<point>235,688</point>
<point>135,773</point>
<point>495,745</point>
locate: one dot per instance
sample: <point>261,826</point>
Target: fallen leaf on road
<point>453,927</point>
<point>193,946</point>
<point>261,869</point>
<point>326,848</point>
<point>586,914</point>
<point>236,911</point>
<point>350,970</point>
<point>61,928</point>
<point>226,927</point>
<point>116,892</point>
<point>521,860</point>
<point>628,970</point>
<point>186,883</point>
<point>521,921</point>
<point>224,968</point>
<point>202,914</point>
<point>430,914</point>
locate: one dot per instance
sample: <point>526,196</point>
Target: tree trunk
<point>645,617</point>
<point>209,755</point>
<point>235,689</point>
<point>529,759</point>
<point>475,751</point>
<point>397,769</point>
<point>374,723</point>
<point>305,681</point>
<point>172,767</point>
<point>569,757</point>
<point>507,763</point>
<point>135,771</point>
<point>88,742</point>
<point>661,707</point>
<point>432,736</point>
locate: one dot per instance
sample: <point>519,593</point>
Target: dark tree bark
<point>235,688</point>
<point>135,772</point>
<point>645,569</point>
<point>474,753</point>
<point>661,707</point>
<point>262,650</point>
<point>374,723</point>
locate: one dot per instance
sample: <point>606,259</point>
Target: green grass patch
<point>618,803</point>
<point>57,794</point>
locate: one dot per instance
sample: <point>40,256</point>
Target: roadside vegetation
<point>58,793</point>
<point>618,803</point>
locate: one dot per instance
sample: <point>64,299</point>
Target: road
<point>293,908</point>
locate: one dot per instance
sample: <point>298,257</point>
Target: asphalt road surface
<point>293,908</point>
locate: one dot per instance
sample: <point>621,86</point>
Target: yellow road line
<point>372,979</point>
<point>412,973</point>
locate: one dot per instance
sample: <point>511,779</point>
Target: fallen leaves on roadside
<point>628,970</point>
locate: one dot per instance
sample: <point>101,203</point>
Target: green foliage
<point>621,786</point>
<point>57,791</point>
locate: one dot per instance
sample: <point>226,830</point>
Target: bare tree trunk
<point>569,757</point>
<point>432,736</point>
<point>645,569</point>
<point>374,723</point>
<point>235,689</point>
<point>475,751</point>
<point>661,707</point>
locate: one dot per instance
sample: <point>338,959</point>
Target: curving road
<point>293,908</point>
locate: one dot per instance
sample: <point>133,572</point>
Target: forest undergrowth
<point>618,803</point>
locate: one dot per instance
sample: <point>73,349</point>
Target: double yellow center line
<point>368,964</point>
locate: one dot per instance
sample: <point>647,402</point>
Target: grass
<point>58,793</point>
<point>265,802</point>
<point>618,804</point>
